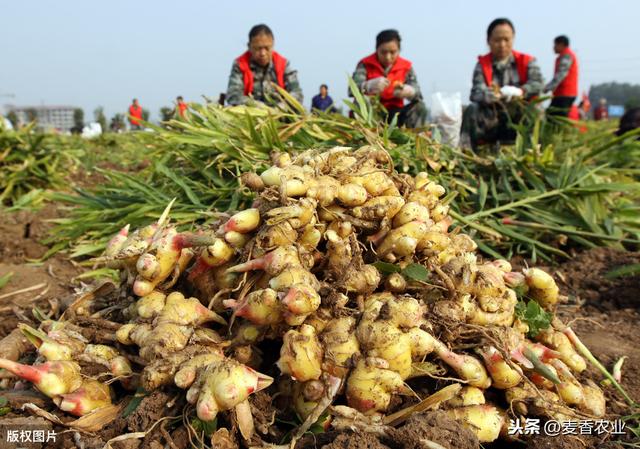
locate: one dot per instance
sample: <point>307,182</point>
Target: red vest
<point>569,86</point>
<point>279,64</point>
<point>135,112</point>
<point>181,108</point>
<point>574,113</point>
<point>397,74</point>
<point>522,64</point>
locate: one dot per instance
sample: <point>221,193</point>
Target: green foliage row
<point>555,189</point>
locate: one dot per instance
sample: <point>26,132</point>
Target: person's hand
<point>405,91</point>
<point>376,85</point>
<point>511,92</point>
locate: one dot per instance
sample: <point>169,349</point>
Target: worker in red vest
<point>584,106</point>
<point>387,75</point>
<point>564,84</point>
<point>135,115</point>
<point>500,77</point>
<point>181,107</point>
<point>601,112</point>
<point>254,72</point>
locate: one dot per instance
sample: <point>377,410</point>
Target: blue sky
<point>88,53</point>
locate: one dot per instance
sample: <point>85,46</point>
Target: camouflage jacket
<point>360,76</point>
<point>563,70</point>
<point>262,90</point>
<point>505,74</point>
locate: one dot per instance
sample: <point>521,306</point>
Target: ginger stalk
<point>468,368</point>
<point>50,378</point>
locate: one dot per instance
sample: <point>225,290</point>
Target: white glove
<point>510,92</point>
<point>405,92</point>
<point>376,85</point>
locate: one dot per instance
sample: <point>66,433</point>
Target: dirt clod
<point>150,409</point>
<point>132,443</point>
<point>262,411</point>
<point>352,440</point>
<point>436,427</point>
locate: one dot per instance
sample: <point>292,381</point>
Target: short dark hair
<point>562,39</point>
<point>179,97</point>
<point>259,29</point>
<point>134,100</point>
<point>385,36</point>
<point>325,86</point>
<point>497,22</point>
<point>629,121</point>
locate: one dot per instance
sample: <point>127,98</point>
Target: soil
<point>606,313</point>
<point>21,233</point>
<point>353,440</point>
<point>262,410</point>
<point>436,427</point>
<point>20,245</point>
<point>151,409</point>
<point>584,277</point>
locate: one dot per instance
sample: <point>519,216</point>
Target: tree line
<point>623,94</point>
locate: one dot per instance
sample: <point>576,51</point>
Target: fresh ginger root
<point>542,287</point>
<point>91,395</point>
<point>340,344</point>
<point>380,332</point>
<point>371,385</point>
<point>301,354</point>
<point>222,385</point>
<point>486,421</point>
<point>172,328</point>
<point>325,259</point>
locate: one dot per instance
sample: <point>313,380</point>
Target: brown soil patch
<point>605,314</point>
<point>151,409</point>
<point>436,427</point>
<point>353,440</point>
<point>21,233</point>
<point>584,277</point>
<point>20,236</point>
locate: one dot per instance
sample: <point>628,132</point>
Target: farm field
<point>319,281</point>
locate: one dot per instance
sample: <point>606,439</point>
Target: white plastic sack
<point>6,123</point>
<point>92,130</point>
<point>446,112</point>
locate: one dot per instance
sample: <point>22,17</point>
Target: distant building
<point>48,118</point>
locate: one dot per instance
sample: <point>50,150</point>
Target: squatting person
<point>253,72</point>
<point>500,76</point>
<point>387,74</point>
